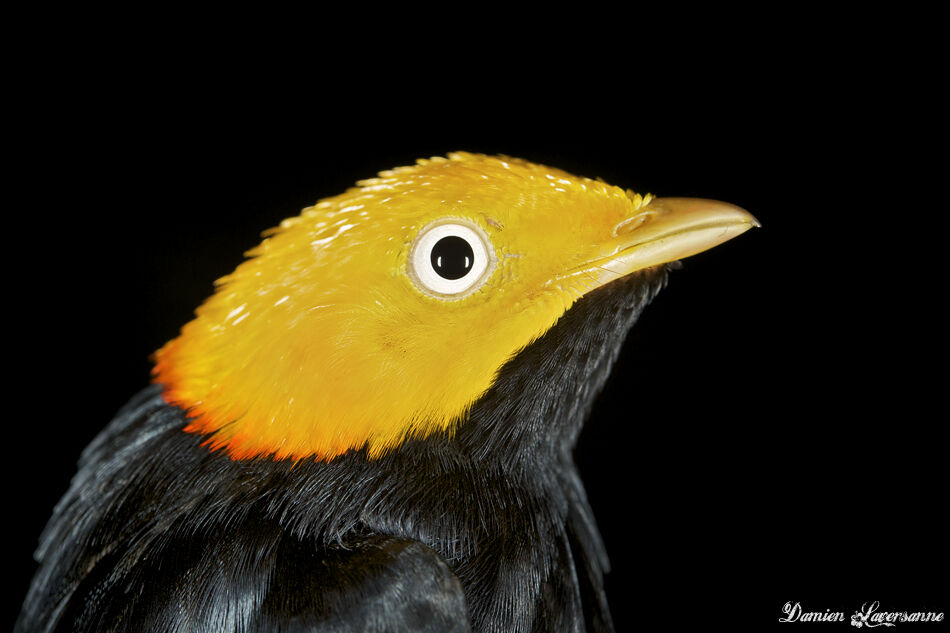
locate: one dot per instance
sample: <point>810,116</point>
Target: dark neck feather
<point>543,394</point>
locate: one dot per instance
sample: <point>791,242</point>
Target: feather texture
<point>488,529</point>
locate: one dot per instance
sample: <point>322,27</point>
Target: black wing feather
<point>380,583</point>
<point>131,548</point>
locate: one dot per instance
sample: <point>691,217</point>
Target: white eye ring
<point>463,251</point>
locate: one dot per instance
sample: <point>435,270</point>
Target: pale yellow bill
<point>665,230</point>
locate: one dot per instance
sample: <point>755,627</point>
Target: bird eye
<point>450,259</point>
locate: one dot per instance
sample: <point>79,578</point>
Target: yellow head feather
<point>323,342</point>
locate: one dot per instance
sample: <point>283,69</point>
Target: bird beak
<point>663,231</point>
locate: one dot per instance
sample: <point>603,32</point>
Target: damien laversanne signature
<point>868,615</point>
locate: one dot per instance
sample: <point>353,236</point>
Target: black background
<point>771,432</point>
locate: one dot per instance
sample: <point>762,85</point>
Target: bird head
<point>386,312</point>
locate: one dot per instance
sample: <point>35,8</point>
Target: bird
<point>369,425</point>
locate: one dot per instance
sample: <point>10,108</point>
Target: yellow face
<point>385,312</point>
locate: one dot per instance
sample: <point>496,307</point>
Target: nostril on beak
<point>632,223</point>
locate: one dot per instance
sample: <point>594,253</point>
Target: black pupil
<point>452,257</point>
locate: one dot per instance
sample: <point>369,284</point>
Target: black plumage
<point>485,530</point>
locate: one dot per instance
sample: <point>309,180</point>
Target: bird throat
<point>543,395</point>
